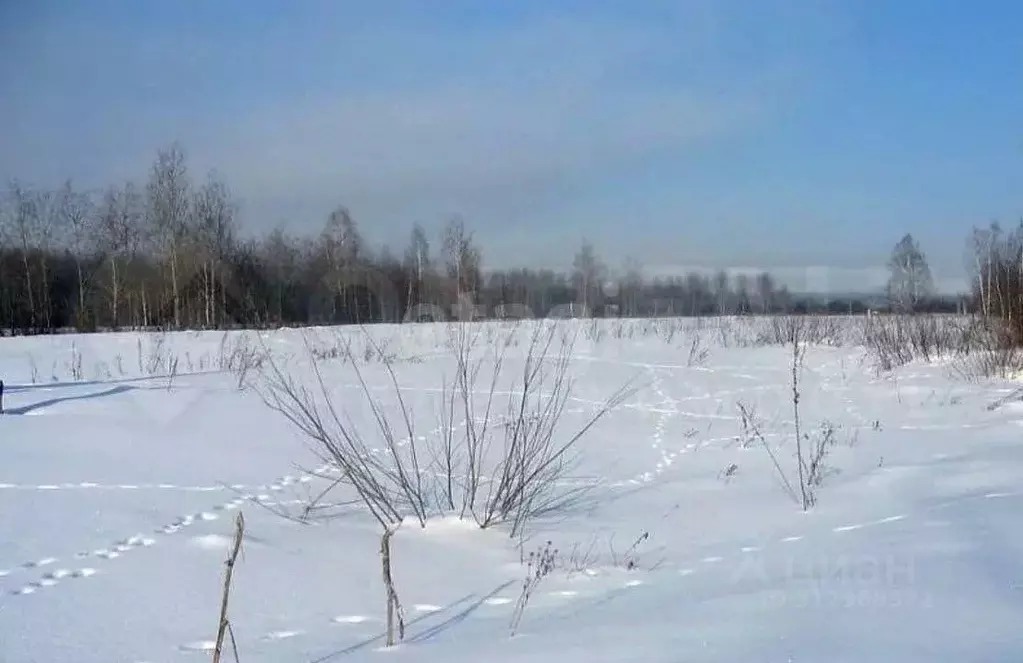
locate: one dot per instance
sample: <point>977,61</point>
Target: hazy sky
<point>767,134</point>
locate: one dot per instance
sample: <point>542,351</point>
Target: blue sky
<point>780,135</point>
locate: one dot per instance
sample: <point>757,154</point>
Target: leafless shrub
<point>462,464</point>
<point>532,457</point>
<point>599,553</point>
<point>798,356</point>
<point>340,347</point>
<point>393,485</point>
<point>816,470</point>
<point>138,354</point>
<point>152,357</point>
<point>579,559</point>
<point>539,565</point>
<point>811,456</point>
<point>995,354</point>
<point>172,372</point>
<point>222,351</point>
<point>674,328</point>
<point>896,340</point>
<point>75,363</point>
<point>783,476</point>
<point>628,560</point>
<point>697,352</point>
<point>239,358</point>
<point>807,329</point>
<point>747,420</point>
<point>388,491</point>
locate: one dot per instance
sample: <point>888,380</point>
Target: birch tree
<point>342,246</point>
<point>77,215</point>
<point>462,259</point>
<point>587,275</point>
<point>213,216</point>
<point>24,214</point>
<point>910,281</point>
<point>119,222</point>
<point>168,209</point>
<point>417,264</point>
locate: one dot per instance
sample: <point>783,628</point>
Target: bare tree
<point>168,209</point>
<point>417,263</point>
<point>77,214</point>
<point>722,292</point>
<point>32,226</point>
<point>6,221</point>
<point>111,241</point>
<point>47,228</point>
<point>631,286</point>
<point>462,258</point>
<point>910,281</point>
<point>765,292</point>
<point>281,256</point>
<point>120,221</point>
<point>587,275</point>
<point>342,246</point>
<point>997,257</point>
<point>743,292</point>
<point>699,291</point>
<point>21,215</point>
<point>188,252</point>
<point>979,262</point>
<point>213,215</point>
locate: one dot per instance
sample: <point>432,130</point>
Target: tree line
<point>169,253</point>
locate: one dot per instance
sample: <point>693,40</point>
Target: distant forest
<point>168,253</point>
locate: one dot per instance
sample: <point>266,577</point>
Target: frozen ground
<point>119,487</point>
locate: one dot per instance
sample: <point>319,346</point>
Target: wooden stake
<point>225,626</point>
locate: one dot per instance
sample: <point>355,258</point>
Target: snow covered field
<point>124,459</point>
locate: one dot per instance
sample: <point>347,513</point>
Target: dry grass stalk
<point>394,610</point>
<point>224,627</point>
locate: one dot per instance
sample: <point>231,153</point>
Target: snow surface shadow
<point>25,409</point>
<point>12,388</point>
<point>428,633</point>
<point>460,616</point>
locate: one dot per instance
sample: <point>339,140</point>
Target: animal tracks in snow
<point>352,619</point>
<point>420,612</point>
<point>89,485</point>
<point>51,578</point>
<point>136,541</point>
<point>664,410</point>
<point>555,598</point>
